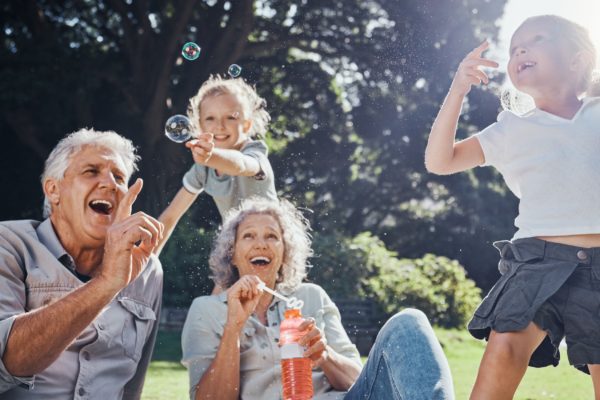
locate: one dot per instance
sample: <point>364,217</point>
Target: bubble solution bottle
<point>296,370</point>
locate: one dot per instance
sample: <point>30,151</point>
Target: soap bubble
<point>178,128</point>
<point>234,70</point>
<point>190,51</point>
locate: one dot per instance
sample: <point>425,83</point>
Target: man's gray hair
<point>59,159</point>
<point>296,241</point>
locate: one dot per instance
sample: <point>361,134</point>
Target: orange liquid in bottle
<point>296,370</point>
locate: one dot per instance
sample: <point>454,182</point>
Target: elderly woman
<point>230,340</point>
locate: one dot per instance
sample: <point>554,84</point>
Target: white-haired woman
<point>230,340</point>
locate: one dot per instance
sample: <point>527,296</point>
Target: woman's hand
<point>202,147</point>
<point>242,299</point>
<point>314,341</point>
<point>469,72</point>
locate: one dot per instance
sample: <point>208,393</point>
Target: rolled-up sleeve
<point>259,151</point>
<point>200,340</point>
<point>12,303</point>
<point>195,179</point>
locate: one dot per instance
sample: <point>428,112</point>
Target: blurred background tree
<point>353,87</point>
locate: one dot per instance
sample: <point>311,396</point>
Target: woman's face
<point>259,248</point>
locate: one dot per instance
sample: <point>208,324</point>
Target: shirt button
<point>81,391</point>
<point>86,356</point>
<point>274,324</point>
<point>272,308</point>
<point>263,345</point>
<point>582,255</point>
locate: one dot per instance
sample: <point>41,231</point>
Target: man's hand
<point>129,241</point>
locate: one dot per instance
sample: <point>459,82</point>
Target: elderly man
<point>80,292</point>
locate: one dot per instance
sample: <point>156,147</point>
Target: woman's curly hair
<point>296,241</point>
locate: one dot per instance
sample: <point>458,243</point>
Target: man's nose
<point>107,181</point>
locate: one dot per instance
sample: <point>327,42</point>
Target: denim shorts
<point>555,286</point>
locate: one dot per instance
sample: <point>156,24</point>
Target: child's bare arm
<point>443,156</point>
<point>171,215</point>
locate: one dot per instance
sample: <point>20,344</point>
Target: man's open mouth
<point>101,206</point>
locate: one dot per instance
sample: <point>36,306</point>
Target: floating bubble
<point>190,51</point>
<point>178,128</point>
<point>234,70</point>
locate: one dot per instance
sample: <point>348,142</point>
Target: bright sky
<point>584,12</point>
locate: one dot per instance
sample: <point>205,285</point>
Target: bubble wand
<point>290,302</point>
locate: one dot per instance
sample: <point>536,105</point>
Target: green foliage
<point>436,285</point>
<point>185,263</point>
<point>341,265</point>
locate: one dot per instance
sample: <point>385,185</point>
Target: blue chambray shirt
<point>260,356</point>
<point>109,359</point>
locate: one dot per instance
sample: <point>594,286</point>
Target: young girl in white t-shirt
<point>550,159</point>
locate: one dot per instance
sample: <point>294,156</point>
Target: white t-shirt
<point>552,165</point>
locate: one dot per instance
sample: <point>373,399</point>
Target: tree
<point>352,86</point>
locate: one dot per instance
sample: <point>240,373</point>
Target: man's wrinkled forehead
<point>98,156</point>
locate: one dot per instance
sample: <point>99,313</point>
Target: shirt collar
<point>48,238</point>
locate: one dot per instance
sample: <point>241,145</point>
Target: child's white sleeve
<point>195,179</point>
<point>493,140</point>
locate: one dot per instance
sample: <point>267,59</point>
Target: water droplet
<point>178,128</point>
<point>234,70</point>
<point>190,51</point>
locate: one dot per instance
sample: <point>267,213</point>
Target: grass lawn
<point>167,379</point>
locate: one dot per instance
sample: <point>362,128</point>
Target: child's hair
<point>252,104</point>
<point>577,38</point>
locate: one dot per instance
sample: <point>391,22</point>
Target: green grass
<point>167,378</point>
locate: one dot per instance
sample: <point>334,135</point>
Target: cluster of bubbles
<point>178,128</point>
<point>191,51</point>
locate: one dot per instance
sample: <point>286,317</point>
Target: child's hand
<point>469,74</point>
<point>202,147</point>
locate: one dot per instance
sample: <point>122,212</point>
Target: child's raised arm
<point>171,215</point>
<point>443,156</point>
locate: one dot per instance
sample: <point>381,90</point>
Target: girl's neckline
<point>584,102</point>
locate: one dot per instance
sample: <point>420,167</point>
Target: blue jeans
<point>405,363</point>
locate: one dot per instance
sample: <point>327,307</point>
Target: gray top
<point>228,191</point>
<point>260,355</point>
<point>110,357</point>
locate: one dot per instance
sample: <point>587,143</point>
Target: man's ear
<point>52,190</point>
<point>247,125</point>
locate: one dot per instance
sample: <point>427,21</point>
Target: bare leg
<point>504,363</point>
<point>595,372</point>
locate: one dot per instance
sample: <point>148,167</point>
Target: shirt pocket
<point>138,322</point>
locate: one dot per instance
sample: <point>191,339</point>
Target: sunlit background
<point>584,12</point>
